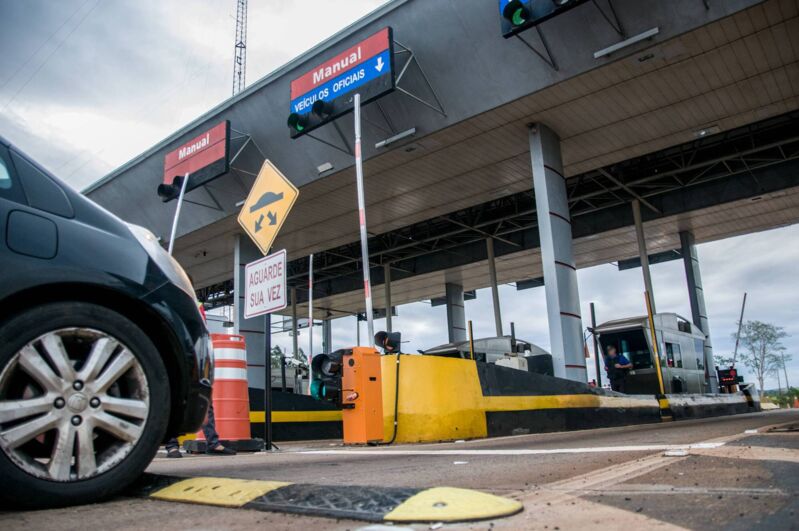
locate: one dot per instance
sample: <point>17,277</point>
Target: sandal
<point>220,450</point>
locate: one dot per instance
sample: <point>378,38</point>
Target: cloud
<point>117,78</point>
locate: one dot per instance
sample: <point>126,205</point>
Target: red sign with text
<point>198,153</point>
<point>346,60</point>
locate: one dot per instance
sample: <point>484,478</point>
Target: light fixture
<point>648,34</point>
<point>322,168</point>
<point>396,138</point>
<point>707,131</point>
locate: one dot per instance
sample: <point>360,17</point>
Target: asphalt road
<point>611,478</point>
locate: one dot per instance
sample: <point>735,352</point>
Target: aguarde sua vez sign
<point>204,157</point>
<point>265,285</point>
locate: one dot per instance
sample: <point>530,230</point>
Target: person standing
<point>213,446</point>
<point>617,366</point>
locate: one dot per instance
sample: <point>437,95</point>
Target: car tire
<point>78,324</point>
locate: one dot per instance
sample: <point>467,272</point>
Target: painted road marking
<point>522,451</point>
<point>216,491</point>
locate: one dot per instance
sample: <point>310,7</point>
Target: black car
<point>103,350</point>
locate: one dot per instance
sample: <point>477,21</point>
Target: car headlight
<point>171,268</point>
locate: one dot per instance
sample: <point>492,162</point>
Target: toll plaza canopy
<point>698,122</point>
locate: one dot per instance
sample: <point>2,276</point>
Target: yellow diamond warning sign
<point>267,206</point>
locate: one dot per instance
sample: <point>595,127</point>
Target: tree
<point>278,352</point>
<point>761,348</point>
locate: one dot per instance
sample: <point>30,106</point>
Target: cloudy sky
<point>85,85</point>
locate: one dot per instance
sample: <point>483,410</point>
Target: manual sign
<point>265,285</point>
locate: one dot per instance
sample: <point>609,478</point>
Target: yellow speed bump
<point>216,491</point>
<point>448,504</point>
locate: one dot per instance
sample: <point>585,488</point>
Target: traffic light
<point>298,122</point>
<point>322,109</point>
<point>327,374</point>
<point>168,192</point>
<point>519,15</point>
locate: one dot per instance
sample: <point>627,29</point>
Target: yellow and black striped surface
<point>375,504</point>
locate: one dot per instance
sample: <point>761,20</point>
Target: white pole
<point>177,212</point>
<point>310,321</point>
<point>367,285</point>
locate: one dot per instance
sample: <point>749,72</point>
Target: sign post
<point>270,198</point>
<point>264,293</point>
<point>177,213</point>
<point>310,321</point>
<point>367,284</point>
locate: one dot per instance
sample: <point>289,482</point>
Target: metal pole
<point>310,320</point>
<point>367,285</point>
<point>738,334</point>
<point>357,330</point>
<point>387,285</point>
<point>656,361</point>
<point>492,274</point>
<point>784,371</point>
<point>268,382</point>
<point>177,213</point>
<point>295,338</point>
<point>597,354</point>
<point>639,232</point>
<point>471,341</point>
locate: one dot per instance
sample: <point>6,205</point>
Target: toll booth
<point>680,347</point>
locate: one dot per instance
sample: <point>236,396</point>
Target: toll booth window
<point>699,347</point>
<point>632,344</point>
<point>673,355</point>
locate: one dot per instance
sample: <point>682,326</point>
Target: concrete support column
<point>642,253</point>
<point>557,255</point>
<point>456,313</point>
<point>492,274</point>
<point>696,296</point>
<point>387,287</point>
<point>327,336</point>
<point>252,329</point>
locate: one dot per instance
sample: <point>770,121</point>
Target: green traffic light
<point>516,13</point>
<point>297,122</point>
<point>317,389</point>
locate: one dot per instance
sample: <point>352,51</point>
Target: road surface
<point>701,474</point>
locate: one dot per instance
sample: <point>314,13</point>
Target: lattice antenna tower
<point>240,48</point>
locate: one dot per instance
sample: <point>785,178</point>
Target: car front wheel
<point>84,402</point>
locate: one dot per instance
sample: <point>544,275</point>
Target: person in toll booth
<point>617,366</point>
<point>388,341</point>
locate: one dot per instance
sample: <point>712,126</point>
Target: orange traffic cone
<point>230,396</point>
<point>796,403</point>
